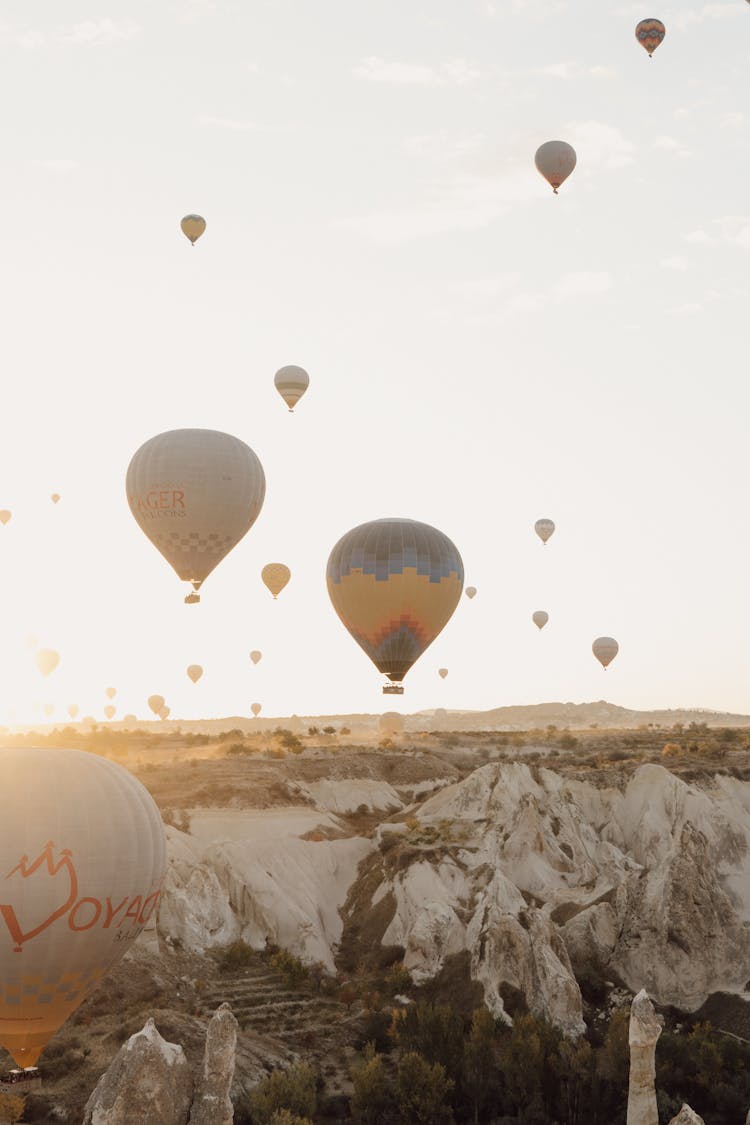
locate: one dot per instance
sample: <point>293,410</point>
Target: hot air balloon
<point>55,497</point>
<point>255,656</point>
<point>195,493</point>
<point>605,649</point>
<point>82,856</point>
<point>540,617</point>
<point>256,709</point>
<point>73,710</point>
<point>544,529</point>
<point>394,583</point>
<point>442,672</point>
<point>46,660</point>
<point>291,382</point>
<point>110,692</point>
<point>275,577</point>
<point>555,160</point>
<point>156,702</point>
<point>192,227</point>
<point>649,34</point>
<point>5,515</point>
<point>165,713</point>
<point>48,709</point>
<point>194,672</point>
<point>390,722</point>
<point>110,711</point>
<point>470,592</point>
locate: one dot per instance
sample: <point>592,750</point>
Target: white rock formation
<point>348,795</point>
<point>687,1116</point>
<point>212,1104</point>
<point>645,1029</point>
<point>148,1082</point>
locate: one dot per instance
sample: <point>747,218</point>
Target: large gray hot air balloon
<point>605,649</point>
<point>195,493</point>
<point>555,160</point>
<point>291,382</point>
<point>82,856</point>
<point>544,529</point>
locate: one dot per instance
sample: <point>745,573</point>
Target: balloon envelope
<point>275,577</point>
<point>255,655</point>
<point>165,713</point>
<point>555,160</point>
<point>195,494</point>
<point>255,708</point>
<point>605,649</point>
<point>650,33</point>
<point>394,583</point>
<point>291,382</point>
<point>540,618</point>
<point>194,672</point>
<point>544,529</point>
<point>111,692</point>
<point>442,672</point>
<point>110,711</point>
<point>156,702</point>
<point>55,497</point>
<point>73,710</point>
<point>46,660</point>
<point>5,515</point>
<point>193,227</point>
<point>82,856</point>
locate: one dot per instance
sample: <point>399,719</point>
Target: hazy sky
<point>481,352</point>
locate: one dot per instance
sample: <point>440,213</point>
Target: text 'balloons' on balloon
<point>605,649</point>
<point>5,516</point>
<point>156,702</point>
<point>442,672</point>
<point>193,226</point>
<point>470,592</point>
<point>291,382</point>
<point>256,709</point>
<point>195,672</point>
<point>83,858</point>
<point>540,617</point>
<point>110,711</point>
<point>255,655</point>
<point>275,577</point>
<point>110,692</point>
<point>195,494</point>
<point>650,34</point>
<point>555,160</point>
<point>544,529</point>
<point>394,584</point>
<point>46,660</point>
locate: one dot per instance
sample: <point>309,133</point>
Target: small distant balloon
<point>275,577</point>
<point>540,618</point>
<point>156,702</point>
<point>73,710</point>
<point>5,515</point>
<point>46,660</point>
<point>605,649</point>
<point>255,655</point>
<point>195,672</point>
<point>110,711</point>
<point>48,709</point>
<point>442,672</point>
<point>193,227</point>
<point>55,497</point>
<point>555,160</point>
<point>111,692</point>
<point>256,709</point>
<point>164,713</point>
<point>649,34</point>
<point>470,591</point>
<point>291,382</point>
<point>544,529</point>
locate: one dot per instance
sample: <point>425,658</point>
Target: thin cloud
<point>99,33</point>
<point>458,72</point>
<point>60,165</point>
<point>599,146</point>
<point>569,71</point>
<point>583,283</point>
<point>230,123</point>
<point>675,262</point>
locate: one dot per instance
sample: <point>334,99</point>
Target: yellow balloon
<point>256,709</point>
<point>73,710</point>
<point>275,577</point>
<point>55,497</point>
<point>5,515</point>
<point>156,702</point>
<point>195,672</point>
<point>46,660</point>
<point>110,711</point>
<point>111,692</point>
<point>83,857</point>
<point>193,227</point>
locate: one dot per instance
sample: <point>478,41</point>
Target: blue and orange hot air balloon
<point>394,583</point>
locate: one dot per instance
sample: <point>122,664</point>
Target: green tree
<point>372,1099</point>
<point>293,1089</point>
<point>479,1062</point>
<point>423,1090</point>
<point>434,1031</point>
<point>284,1117</point>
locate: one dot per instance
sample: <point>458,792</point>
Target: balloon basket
<point>192,599</point>
<point>393,689</point>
